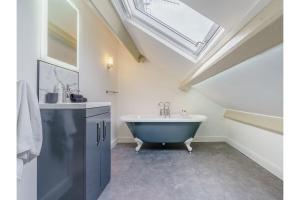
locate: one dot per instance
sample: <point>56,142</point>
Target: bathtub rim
<point>174,118</point>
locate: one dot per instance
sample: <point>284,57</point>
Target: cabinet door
<point>94,130</point>
<point>106,152</point>
<point>60,165</point>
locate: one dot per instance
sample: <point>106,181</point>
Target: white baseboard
<point>196,139</point>
<point>277,171</point>
<point>209,139</point>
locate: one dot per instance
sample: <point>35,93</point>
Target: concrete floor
<point>213,171</point>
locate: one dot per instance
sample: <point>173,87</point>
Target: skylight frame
<point>211,32</point>
<point>190,48</point>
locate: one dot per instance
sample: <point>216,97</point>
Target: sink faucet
<point>68,91</point>
<point>164,109</point>
<point>65,90</point>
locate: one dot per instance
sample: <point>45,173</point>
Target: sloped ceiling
<point>225,13</point>
<point>221,12</point>
<point>255,85</point>
<point>159,54</point>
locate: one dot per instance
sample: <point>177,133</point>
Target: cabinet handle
<point>98,138</point>
<point>104,130</point>
<point>97,134</point>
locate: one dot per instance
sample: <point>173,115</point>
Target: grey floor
<point>213,171</point>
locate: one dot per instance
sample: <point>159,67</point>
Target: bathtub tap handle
<point>167,104</point>
<point>167,109</point>
<point>166,112</point>
<point>161,110</point>
<point>164,109</point>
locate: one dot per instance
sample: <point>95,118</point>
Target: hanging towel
<point>29,126</point>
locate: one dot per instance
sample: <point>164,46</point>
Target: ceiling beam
<point>106,11</point>
<point>263,32</point>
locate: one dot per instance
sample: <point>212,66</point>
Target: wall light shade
<point>109,62</point>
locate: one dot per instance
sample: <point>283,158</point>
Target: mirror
<point>60,37</point>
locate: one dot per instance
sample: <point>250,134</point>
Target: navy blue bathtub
<point>175,129</point>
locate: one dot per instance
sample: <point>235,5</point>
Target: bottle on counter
<point>59,89</point>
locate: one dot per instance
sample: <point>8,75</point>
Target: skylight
<point>173,21</point>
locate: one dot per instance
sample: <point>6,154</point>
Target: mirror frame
<point>44,37</point>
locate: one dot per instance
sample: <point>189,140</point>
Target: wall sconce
<point>109,63</point>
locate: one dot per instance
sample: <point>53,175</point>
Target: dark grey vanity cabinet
<point>98,154</point>
<point>75,159</point>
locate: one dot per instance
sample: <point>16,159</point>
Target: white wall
<point>28,40</point>
<point>96,42</point>
<point>255,85</point>
<point>28,51</point>
<point>142,86</point>
<point>264,147</point>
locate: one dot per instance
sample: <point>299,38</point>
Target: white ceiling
<point>225,13</point>
<point>255,85</point>
<point>159,54</point>
<point>221,12</point>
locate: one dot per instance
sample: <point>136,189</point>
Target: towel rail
<point>111,92</point>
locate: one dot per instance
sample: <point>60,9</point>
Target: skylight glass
<point>171,22</point>
<point>178,17</point>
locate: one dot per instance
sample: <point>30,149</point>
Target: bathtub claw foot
<point>188,144</point>
<point>139,144</point>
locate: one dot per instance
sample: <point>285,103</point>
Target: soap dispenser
<point>59,89</point>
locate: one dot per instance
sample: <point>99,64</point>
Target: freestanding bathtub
<point>156,129</point>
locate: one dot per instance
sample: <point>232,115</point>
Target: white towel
<point>29,126</point>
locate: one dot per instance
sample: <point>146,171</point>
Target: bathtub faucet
<point>164,109</point>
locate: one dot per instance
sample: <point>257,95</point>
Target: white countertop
<point>73,105</point>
